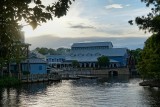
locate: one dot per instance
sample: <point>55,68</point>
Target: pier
<point>40,78</point>
<point>87,76</point>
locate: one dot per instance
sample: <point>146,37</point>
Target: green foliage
<point>75,63</point>
<point>103,61</point>
<point>149,63</point>
<point>51,51</point>
<point>9,81</point>
<point>16,10</point>
<point>151,22</point>
<point>136,54</point>
<point>33,12</point>
<point>149,66</point>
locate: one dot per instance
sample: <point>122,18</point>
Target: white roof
<point>92,44</point>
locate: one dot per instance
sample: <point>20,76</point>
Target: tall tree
<point>14,11</point>
<point>151,22</point>
<point>149,65</point>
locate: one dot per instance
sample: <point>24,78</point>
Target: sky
<point>91,21</point>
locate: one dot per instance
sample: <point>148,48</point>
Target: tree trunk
<point>1,70</point>
<point>10,74</point>
<point>19,71</point>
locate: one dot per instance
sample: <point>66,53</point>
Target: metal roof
<point>92,55</point>
<point>55,56</point>
<point>92,44</point>
<point>35,61</point>
<point>99,52</point>
<point>35,54</point>
<point>86,59</point>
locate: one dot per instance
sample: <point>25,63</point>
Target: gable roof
<point>92,44</point>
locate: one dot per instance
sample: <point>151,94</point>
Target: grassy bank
<point>9,81</point>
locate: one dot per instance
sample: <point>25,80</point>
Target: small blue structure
<point>34,66</point>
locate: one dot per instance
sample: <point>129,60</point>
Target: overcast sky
<point>92,20</point>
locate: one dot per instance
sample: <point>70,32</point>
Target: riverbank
<point>151,83</point>
<point>9,81</point>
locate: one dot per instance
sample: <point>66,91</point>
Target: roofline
<point>91,42</point>
<point>34,62</point>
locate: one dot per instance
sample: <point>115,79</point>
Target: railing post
<point>27,77</point>
<point>31,77</point>
<point>43,77</point>
<point>37,77</point>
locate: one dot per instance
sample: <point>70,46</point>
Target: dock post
<point>37,77</point>
<point>27,77</point>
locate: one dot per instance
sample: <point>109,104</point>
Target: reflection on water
<point>121,91</point>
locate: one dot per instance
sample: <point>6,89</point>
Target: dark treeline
<point>45,51</point>
<point>135,54</point>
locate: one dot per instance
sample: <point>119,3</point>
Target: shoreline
<point>150,83</point>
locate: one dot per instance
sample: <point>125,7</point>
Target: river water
<point>121,91</point>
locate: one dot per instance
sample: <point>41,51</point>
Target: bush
<point>26,72</point>
<point>9,81</point>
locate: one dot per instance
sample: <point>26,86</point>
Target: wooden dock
<point>69,77</point>
<point>40,78</point>
<point>87,76</point>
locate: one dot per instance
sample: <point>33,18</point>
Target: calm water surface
<point>121,91</point>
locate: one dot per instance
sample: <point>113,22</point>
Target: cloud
<point>80,26</point>
<point>114,6</point>
<point>127,5</point>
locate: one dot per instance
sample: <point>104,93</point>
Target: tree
<point>42,50</point>
<point>12,12</point>
<point>75,63</point>
<point>103,61</point>
<point>59,51</point>
<point>151,22</point>
<point>149,64</point>
<point>62,51</point>
<point>135,54</point>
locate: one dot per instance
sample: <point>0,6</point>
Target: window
<point>40,67</point>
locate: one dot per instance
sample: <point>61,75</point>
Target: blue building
<point>35,62</point>
<point>34,66</point>
<point>87,53</point>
